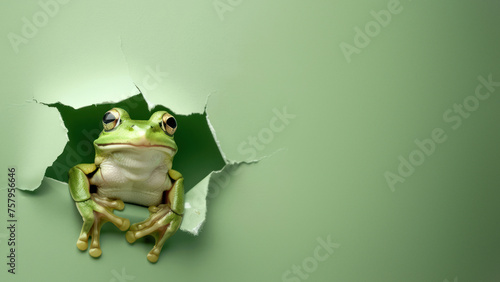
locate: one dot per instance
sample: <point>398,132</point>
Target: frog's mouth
<point>118,146</point>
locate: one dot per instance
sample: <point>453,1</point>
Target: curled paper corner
<point>195,207</point>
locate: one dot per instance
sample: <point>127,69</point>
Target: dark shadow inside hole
<point>197,156</point>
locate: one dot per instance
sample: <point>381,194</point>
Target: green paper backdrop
<point>379,120</point>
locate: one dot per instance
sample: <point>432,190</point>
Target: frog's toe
<point>82,245</point>
<point>83,241</point>
<point>117,205</point>
<point>130,237</point>
<point>95,248</point>
<point>153,257</point>
<point>122,223</point>
<point>153,209</point>
<point>125,225</point>
<point>88,223</point>
<point>95,252</point>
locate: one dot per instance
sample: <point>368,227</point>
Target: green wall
<point>377,119</point>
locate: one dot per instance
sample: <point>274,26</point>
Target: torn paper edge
<point>50,161</point>
<point>212,130</point>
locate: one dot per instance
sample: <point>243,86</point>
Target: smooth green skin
<point>164,219</point>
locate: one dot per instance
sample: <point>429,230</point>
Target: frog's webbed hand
<point>163,220</point>
<point>95,210</point>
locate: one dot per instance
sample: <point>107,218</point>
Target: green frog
<point>133,164</point>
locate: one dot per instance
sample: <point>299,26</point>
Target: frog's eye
<point>168,124</point>
<point>111,119</point>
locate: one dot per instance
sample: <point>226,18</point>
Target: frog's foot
<point>161,224</point>
<point>95,212</point>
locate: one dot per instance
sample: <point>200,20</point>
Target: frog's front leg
<point>163,220</point>
<point>95,210</point>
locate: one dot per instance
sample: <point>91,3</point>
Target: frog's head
<point>120,131</point>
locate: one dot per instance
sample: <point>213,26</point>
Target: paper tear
<point>110,91</point>
<point>195,198</point>
<point>214,134</point>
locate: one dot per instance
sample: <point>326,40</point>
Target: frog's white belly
<point>133,176</point>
